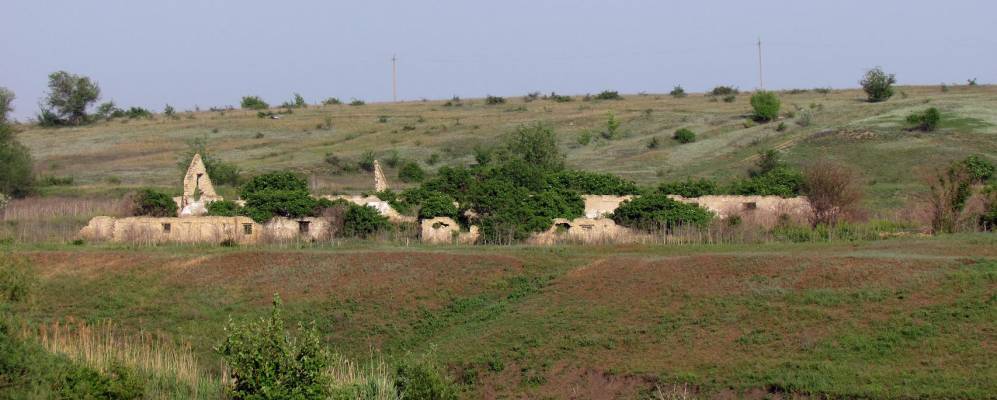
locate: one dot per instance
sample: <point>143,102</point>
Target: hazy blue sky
<point>210,53</point>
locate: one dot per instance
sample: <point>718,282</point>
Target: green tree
<point>253,103</point>
<point>766,105</point>
<point>153,203</point>
<point>656,211</point>
<point>878,85</point>
<point>410,171</point>
<point>6,103</point>
<point>537,145</point>
<point>268,363</point>
<point>17,178</point>
<point>437,204</point>
<point>281,193</point>
<point>363,221</point>
<point>69,96</point>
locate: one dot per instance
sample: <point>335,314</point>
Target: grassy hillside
<point>907,318</point>
<point>109,157</point>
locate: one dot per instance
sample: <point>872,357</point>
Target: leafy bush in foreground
<point>766,105</point>
<point>421,379</point>
<point>268,363</point>
<point>363,221</point>
<point>656,211</point>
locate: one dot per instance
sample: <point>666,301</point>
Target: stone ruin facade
<point>192,226</point>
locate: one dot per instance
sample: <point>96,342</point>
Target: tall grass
<point>171,371</point>
<point>373,381</point>
<point>55,219</point>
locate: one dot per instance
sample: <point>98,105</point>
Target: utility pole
<point>394,79</point>
<point>761,85</point>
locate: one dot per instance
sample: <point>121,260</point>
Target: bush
<point>280,193</point>
<point>654,143</point>
<point>690,188</point>
<point>331,101</point>
<point>411,172</point>
<point>782,181</point>
<point>494,100</point>
<point>169,111</point>
<point>557,98</point>
<point>366,162</point>
<point>357,102</point>
<point>17,177</point>
<point>805,118</point>
<point>268,363</point>
<point>436,204</point>
<point>656,211</point>
<point>684,135</point>
<point>155,204</point>
<point>224,208</point>
<point>17,279</point>
<point>678,92</point>
<point>766,105</point>
<point>421,379</point>
<point>254,103</point>
<point>138,112</point>
<point>608,95</point>
<point>832,191</point>
<point>612,126</point>
<point>730,98</point>
<point>878,85</point>
<point>6,99</point>
<point>926,120</point>
<point>537,145</point>
<point>979,169</point>
<point>593,183</point>
<point>363,221</point>
<point>723,91</point>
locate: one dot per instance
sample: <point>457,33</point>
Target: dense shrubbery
<point>878,85</point>
<point>690,188</point>
<point>655,211</point>
<point>723,91</point>
<point>363,221</point>
<point>678,92</point>
<point>154,204</point>
<point>16,171</point>
<point>436,204</point>
<point>979,169</point>
<point>224,208</point>
<point>421,379</point>
<point>268,363</point>
<point>254,103</point>
<point>765,105</point>
<point>684,135</point>
<point>926,120</point>
<point>281,194</point>
<point>494,100</point>
<point>783,181</point>
<point>411,172</point>
<point>593,183</point>
<point>608,95</point>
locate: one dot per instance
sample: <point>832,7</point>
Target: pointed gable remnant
<point>380,184</point>
<point>196,183</point>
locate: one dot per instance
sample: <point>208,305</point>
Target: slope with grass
<point>119,155</point>
<point>904,318</point>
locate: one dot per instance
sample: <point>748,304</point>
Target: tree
<point>69,97</point>
<point>279,193</point>
<point>16,173</point>
<point>832,191</point>
<point>268,363</point>
<point>878,85</point>
<point>155,204</point>
<point>537,145</point>
<point>363,221</point>
<point>766,105</point>
<point>6,100</point>
<point>254,103</point>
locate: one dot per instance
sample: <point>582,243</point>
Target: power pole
<point>394,79</point>
<point>761,85</point>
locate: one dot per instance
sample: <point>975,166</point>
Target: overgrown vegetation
<point>153,203</point>
<point>878,85</point>
<point>765,105</point>
<point>684,135</point>
<point>17,177</point>
<point>280,194</point>
<point>658,212</point>
<point>253,103</point>
<point>925,121</point>
<point>68,98</point>
<point>678,92</point>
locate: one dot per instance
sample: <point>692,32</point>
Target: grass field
<point>109,158</point>
<point>902,318</point>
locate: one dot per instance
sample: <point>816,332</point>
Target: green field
<point>903,318</point>
<point>120,155</point>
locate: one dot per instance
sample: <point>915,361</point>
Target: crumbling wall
<point>241,230</point>
<point>446,230</point>
<point>381,206</point>
<point>286,229</point>
<point>761,210</point>
<point>380,183</point>
<point>584,230</point>
<point>597,206</point>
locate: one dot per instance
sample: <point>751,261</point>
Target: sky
<point>208,53</point>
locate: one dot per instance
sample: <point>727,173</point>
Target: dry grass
<point>167,366</point>
<point>55,219</point>
<point>349,380</point>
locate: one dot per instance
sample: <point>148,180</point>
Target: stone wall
<point>597,206</point>
<point>380,205</point>
<point>241,230</point>
<point>584,230</point>
<point>445,230</point>
<point>761,210</point>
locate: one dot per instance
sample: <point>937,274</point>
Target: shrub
<point>805,117</point>
<point>366,162</point>
<point>17,279</point>
<point>926,120</point>
<point>678,92</point>
<point>531,97</point>
<point>224,208</point>
<point>971,82</point>
<point>608,95</point>
<point>169,111</point>
<point>684,135</point>
<point>557,98</point>
<point>656,211</point>
<point>979,169</point>
<point>138,112</point>
<point>411,172</point>
<point>988,220</point>
<point>766,105</point>
<point>823,90</point>
<point>832,191</point>
<point>584,138</point>
<point>593,183</point>
<point>363,221</point>
<point>154,204</point>
<point>723,91</point>
<point>299,101</point>
<point>6,99</point>
<point>782,181</point>
<point>268,363</point>
<point>433,159</point>
<point>331,101</point>
<point>730,98</point>
<point>878,85</point>
<point>612,126</point>
<point>254,103</point>
<point>357,102</point>
<point>537,145</point>
<point>494,100</point>
<point>690,188</point>
<point>948,191</point>
<point>17,177</point>
<point>279,193</point>
<point>654,143</point>
<point>421,379</point>
<point>436,204</point>
<point>781,127</point>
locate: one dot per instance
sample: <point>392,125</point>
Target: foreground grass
<point>893,319</point>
